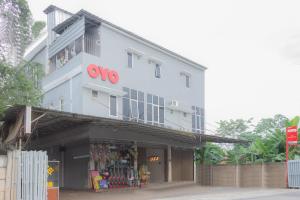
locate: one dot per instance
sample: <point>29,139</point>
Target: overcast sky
<point>250,47</point>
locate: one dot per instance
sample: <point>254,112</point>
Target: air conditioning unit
<point>174,103</point>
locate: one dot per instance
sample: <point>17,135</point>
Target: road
<point>186,192</point>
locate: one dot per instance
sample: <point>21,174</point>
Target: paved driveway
<point>186,192</point>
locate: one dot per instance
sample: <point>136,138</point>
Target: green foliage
<point>234,128</point>
<point>210,154</point>
<point>19,86</point>
<point>267,141</point>
<point>37,27</point>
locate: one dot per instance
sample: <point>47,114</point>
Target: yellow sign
<point>50,170</point>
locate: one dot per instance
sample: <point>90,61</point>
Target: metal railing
<point>92,45</point>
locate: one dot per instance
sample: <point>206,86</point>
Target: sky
<point>250,47</point>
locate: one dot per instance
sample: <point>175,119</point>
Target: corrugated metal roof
<point>54,121</point>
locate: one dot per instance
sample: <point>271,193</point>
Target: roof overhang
<point>48,122</point>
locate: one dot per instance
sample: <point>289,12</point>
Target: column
<point>169,164</point>
<point>196,170</point>
<point>135,162</point>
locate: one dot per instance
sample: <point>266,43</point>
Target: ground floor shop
<point>120,164</point>
<point>112,153</point>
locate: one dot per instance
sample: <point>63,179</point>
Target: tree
<point>210,154</point>
<point>19,85</point>
<point>234,128</point>
<point>16,30</point>
<point>267,126</point>
<point>37,27</point>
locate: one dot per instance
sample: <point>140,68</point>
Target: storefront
<point>114,152</point>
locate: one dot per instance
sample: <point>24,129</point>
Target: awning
<point>49,122</point>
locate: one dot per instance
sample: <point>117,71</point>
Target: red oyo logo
<point>95,71</point>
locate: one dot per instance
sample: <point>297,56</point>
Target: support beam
<point>169,163</point>
<point>196,170</point>
<point>135,162</point>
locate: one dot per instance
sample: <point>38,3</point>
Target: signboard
<point>95,71</point>
<point>292,134</point>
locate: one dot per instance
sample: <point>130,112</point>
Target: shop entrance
<point>156,164</point>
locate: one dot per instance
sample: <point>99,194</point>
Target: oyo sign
<point>292,134</point>
<point>95,71</point>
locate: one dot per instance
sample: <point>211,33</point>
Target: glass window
<point>60,59</point>
<point>94,93</point>
<point>149,98</point>
<point>141,111</point>
<point>61,104</point>
<point>198,122</point>
<point>127,91</point>
<point>202,120</point>
<point>126,109</point>
<point>193,121</point>
<point>157,70</point>
<point>161,115</point>
<point>155,113</point>
<point>71,50</point>
<point>155,100</point>
<point>141,96</point>
<point>134,109</point>
<point>198,119</point>
<point>197,110</point>
<point>133,94</point>
<point>52,64</point>
<point>130,60</point>
<point>187,81</point>
<point>149,112</point>
<point>78,45</point>
<point>113,105</point>
<point>161,101</point>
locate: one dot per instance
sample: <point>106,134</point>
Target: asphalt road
<point>186,192</point>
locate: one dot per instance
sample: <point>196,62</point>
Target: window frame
<point>157,70</point>
<point>116,98</point>
<point>131,60</point>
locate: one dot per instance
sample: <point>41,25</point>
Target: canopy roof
<point>52,121</point>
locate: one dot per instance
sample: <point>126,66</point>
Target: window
<point>198,119</point>
<point>155,110</point>
<point>63,56</point>
<point>133,105</point>
<point>157,71</point>
<point>78,45</point>
<point>61,104</point>
<point>130,60</point>
<point>187,81</point>
<point>113,106</point>
<point>94,93</point>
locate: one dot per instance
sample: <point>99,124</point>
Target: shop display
<point>114,166</point>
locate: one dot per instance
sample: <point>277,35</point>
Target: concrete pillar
<point>196,170</point>
<point>135,162</point>
<point>238,175</point>
<point>62,171</point>
<point>263,175</point>
<point>169,163</point>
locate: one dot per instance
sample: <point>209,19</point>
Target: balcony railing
<point>90,44</point>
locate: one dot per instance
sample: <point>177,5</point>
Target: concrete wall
<point>252,175</point>
<point>182,165</point>
<point>114,46</point>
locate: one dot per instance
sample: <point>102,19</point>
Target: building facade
<point>96,68</point>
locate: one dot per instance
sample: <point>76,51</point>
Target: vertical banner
<point>292,135</point>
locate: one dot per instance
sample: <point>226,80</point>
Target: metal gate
<point>294,173</point>
<point>32,179</point>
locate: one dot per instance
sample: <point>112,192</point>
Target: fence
<point>252,175</point>
<point>294,173</point>
<point>23,175</point>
